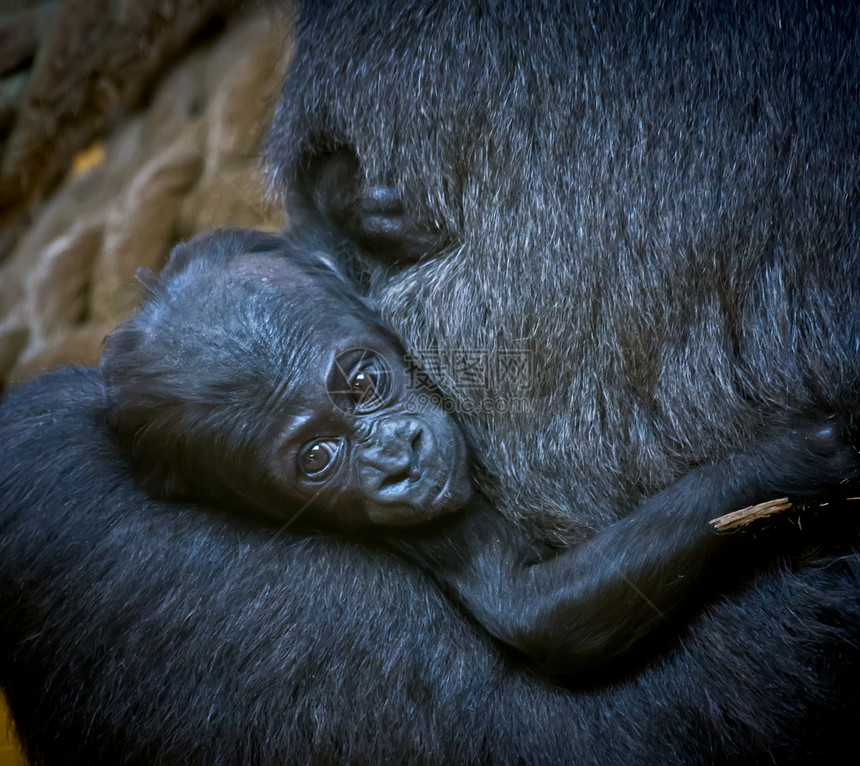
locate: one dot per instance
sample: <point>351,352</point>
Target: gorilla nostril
<point>415,444</point>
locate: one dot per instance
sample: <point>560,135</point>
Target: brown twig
<point>738,519</point>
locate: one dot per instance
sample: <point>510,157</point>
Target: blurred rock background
<point>125,126</point>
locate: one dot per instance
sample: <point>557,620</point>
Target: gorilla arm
<point>589,605</point>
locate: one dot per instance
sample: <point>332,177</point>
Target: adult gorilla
<point>673,240</point>
<point>658,202</point>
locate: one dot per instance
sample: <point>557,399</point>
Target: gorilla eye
<point>368,385</point>
<point>360,381</point>
<point>364,384</point>
<point>317,459</point>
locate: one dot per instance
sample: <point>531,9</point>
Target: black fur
<point>133,631</point>
<point>223,379</point>
<point>661,204</point>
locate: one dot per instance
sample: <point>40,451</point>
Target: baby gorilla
<point>255,377</point>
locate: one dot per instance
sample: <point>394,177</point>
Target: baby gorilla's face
<point>363,439</point>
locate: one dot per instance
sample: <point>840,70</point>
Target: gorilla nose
<point>393,460</point>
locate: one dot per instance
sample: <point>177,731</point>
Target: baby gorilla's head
<point>253,376</point>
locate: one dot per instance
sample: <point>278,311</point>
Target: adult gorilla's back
<point>133,631</point>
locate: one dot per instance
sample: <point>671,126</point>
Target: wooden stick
<point>737,519</point>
